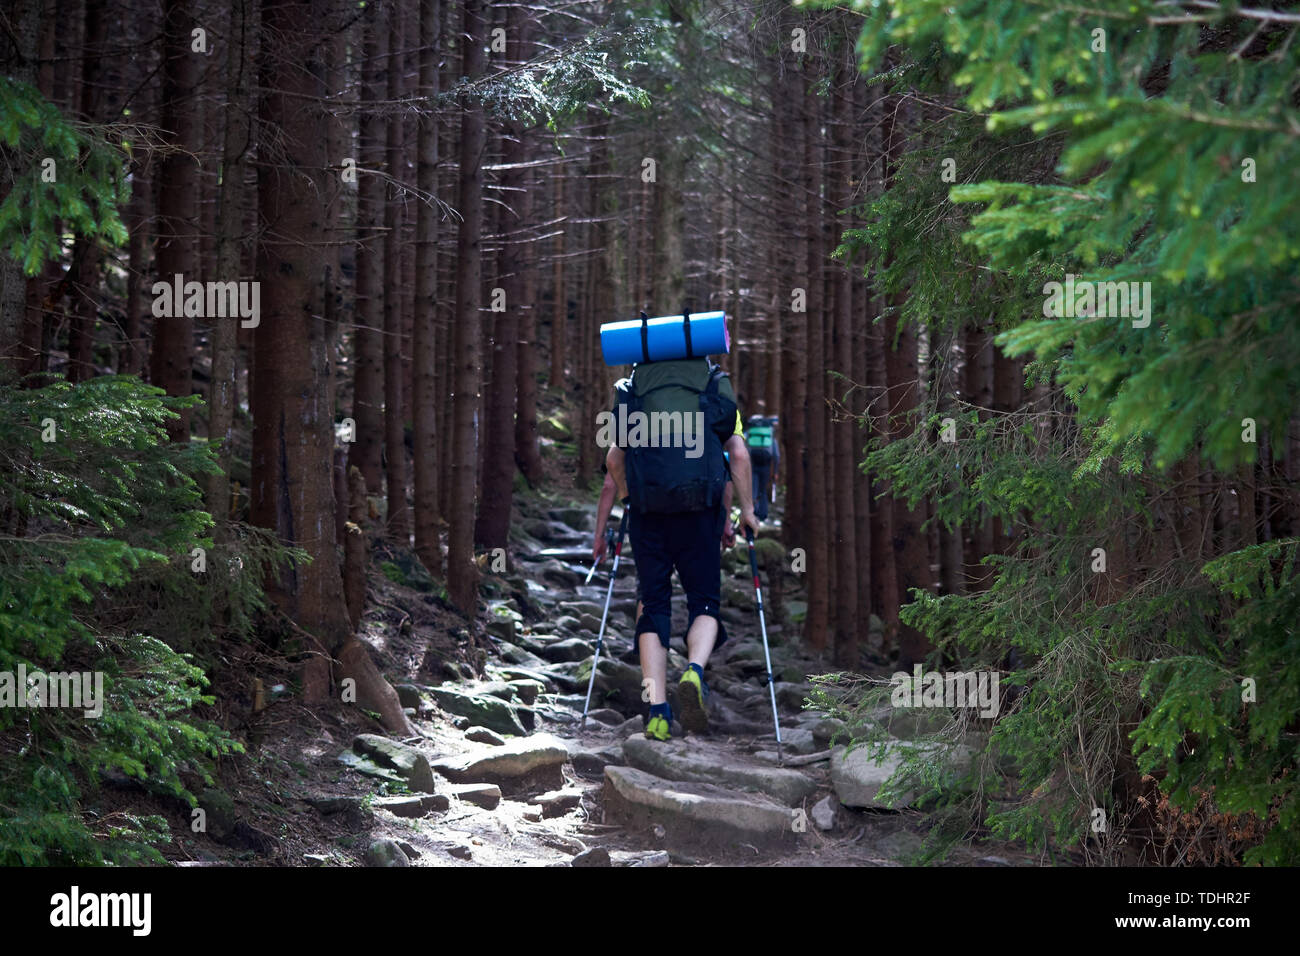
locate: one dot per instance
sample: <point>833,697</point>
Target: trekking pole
<point>767,657</point>
<point>600,638</point>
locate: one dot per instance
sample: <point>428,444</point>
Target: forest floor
<point>516,780</point>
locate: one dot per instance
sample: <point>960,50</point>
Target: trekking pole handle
<point>622,527</point>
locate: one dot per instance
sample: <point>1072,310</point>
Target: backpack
<point>759,442</point>
<point>662,476</point>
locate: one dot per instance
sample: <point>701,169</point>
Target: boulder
<point>605,715</point>
<point>485,795</point>
<point>596,856</point>
<point>501,627</point>
<point>485,710</point>
<point>570,649</point>
<point>558,802</point>
<point>411,766</point>
<point>592,763</point>
<point>527,689</point>
<point>823,813</point>
<point>858,778</point>
<point>481,735</point>
<point>414,806</point>
<point>825,730</point>
<point>794,740</point>
<point>408,695</point>
<point>521,764</point>
<point>579,519</point>
<point>633,725</point>
<point>330,804</point>
<point>566,622</point>
<point>579,608</point>
<point>519,656</point>
<point>560,574</point>
<point>618,685</point>
<point>523,673</point>
<point>913,723</point>
<point>386,853</point>
<point>494,688</point>
<point>653,858</point>
<point>553,532</point>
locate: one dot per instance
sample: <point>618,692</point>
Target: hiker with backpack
<point>673,476</point>
<point>765,460</point>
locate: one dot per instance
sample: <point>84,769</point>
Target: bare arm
<point>614,461</point>
<point>728,532</point>
<point>743,480</point>
<point>603,508</point>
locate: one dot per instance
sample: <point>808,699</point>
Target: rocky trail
<point>502,773</point>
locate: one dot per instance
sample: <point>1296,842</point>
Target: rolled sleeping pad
<point>664,338</point>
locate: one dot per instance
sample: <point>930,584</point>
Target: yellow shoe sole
<point>690,700</point>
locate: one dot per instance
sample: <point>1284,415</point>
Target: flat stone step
<point>695,815</point>
<point>701,761</point>
<point>520,764</point>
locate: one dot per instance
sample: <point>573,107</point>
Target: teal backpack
<point>758,439</point>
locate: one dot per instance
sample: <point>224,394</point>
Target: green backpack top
<point>666,477</point>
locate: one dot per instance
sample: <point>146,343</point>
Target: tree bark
<point>368,340</point>
<point>172,358</point>
<point>428,516</point>
<point>293,429</point>
<point>399,520</point>
<point>816,523</point>
<point>560,311</point>
<point>844,504</point>
<point>230,221</point>
<point>499,462</point>
<point>462,573</point>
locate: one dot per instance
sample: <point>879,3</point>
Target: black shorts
<point>688,542</point>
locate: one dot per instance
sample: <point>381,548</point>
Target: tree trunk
<point>399,519</point>
<point>428,517</point>
<point>172,358</point>
<point>368,340</point>
<point>794,367</point>
<point>355,547</point>
<point>902,378</point>
<point>844,515</point>
<point>816,524</point>
<point>560,312</point>
<point>499,463</point>
<point>462,573</point>
<point>293,429</point>
<point>979,392</point>
<point>230,222</point>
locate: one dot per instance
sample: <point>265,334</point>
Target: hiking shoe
<point>691,695</point>
<point>657,729</point>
